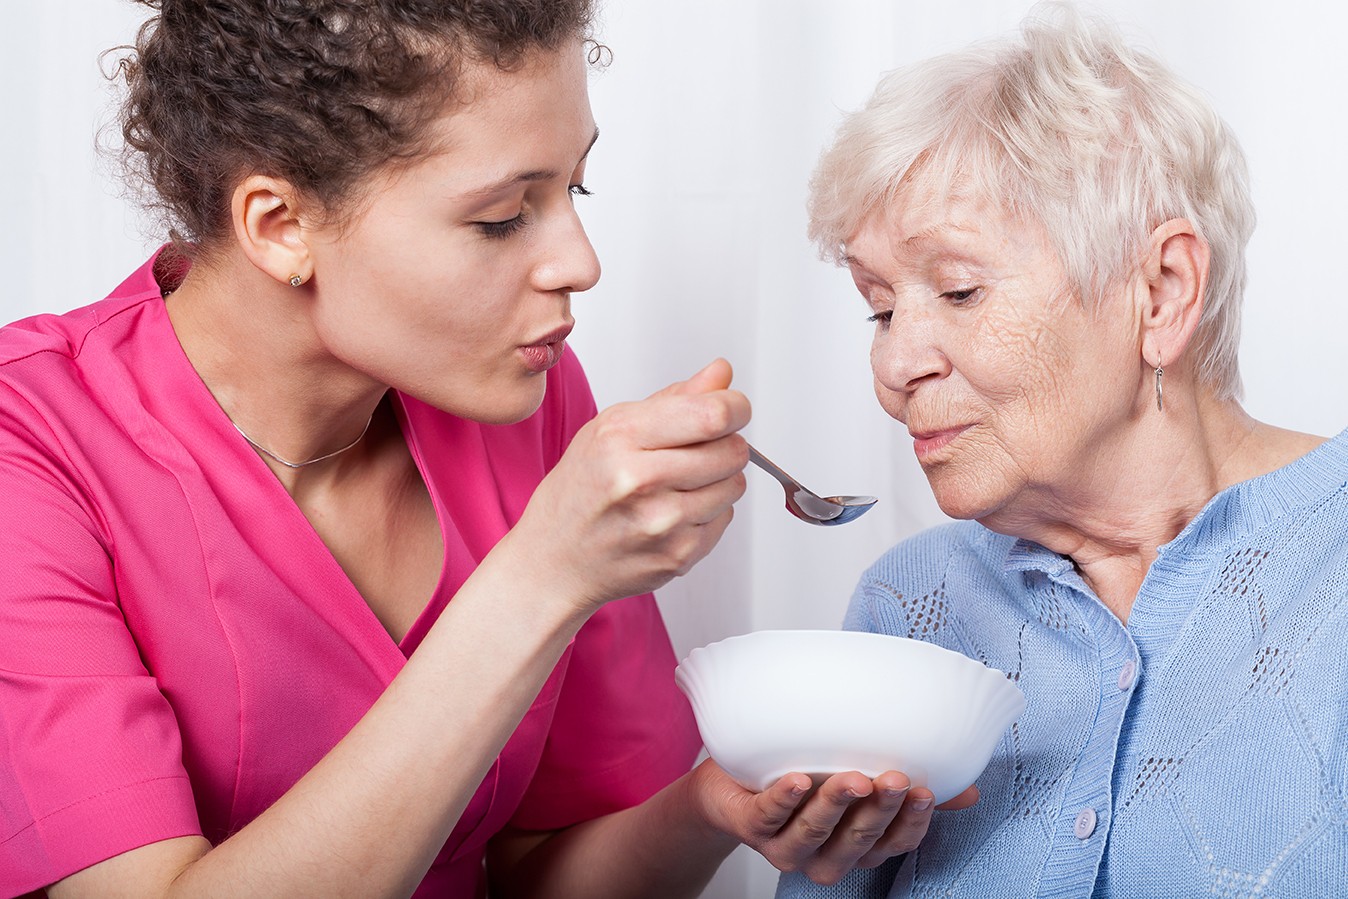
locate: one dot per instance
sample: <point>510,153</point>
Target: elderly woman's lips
<point>928,443</point>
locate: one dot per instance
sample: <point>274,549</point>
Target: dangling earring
<point>296,280</point>
<point>1160,372</point>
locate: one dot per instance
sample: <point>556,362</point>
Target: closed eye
<point>502,229</point>
<point>962,297</point>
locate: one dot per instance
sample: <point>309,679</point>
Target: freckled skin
<point>983,333</point>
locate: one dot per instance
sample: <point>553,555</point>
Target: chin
<point>506,414</point>
<point>493,407</point>
<point>960,497</point>
<point>960,510</point>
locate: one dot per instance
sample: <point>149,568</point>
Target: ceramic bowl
<point>820,702</point>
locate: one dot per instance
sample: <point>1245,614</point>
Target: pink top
<point>179,647</point>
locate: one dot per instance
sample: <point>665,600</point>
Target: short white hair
<point>1067,125</point>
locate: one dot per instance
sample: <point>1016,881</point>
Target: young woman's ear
<point>267,225</point>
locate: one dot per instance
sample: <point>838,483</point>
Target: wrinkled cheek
<point>890,401</point>
<point>977,480</point>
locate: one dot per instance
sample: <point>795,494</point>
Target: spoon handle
<point>766,464</point>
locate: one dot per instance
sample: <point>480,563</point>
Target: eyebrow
<point>529,176</point>
<point>926,235</point>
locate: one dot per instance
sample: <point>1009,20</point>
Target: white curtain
<point>712,113</point>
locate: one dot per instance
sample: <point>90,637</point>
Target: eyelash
<point>503,229</point>
<point>956,297</point>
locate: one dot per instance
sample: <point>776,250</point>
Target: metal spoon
<point>806,505</point>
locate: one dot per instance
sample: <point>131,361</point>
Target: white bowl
<point>821,702</point>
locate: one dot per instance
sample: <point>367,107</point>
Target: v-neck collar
<point>268,516</point>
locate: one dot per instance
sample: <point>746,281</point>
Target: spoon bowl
<point>807,505</point>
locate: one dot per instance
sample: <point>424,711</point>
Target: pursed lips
<point>555,336</point>
<point>546,352</point>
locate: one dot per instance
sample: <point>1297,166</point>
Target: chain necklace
<point>287,463</point>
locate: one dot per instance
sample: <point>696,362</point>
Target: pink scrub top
<point>177,646</point>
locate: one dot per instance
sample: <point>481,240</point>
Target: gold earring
<point>296,280</point>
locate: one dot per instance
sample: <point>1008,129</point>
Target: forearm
<point>662,849</point>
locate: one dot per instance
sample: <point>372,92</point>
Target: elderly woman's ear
<point>1175,278</point>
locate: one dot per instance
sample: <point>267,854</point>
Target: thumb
<point>963,800</point>
<point>716,375</point>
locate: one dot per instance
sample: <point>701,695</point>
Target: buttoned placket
<point>1087,802</point>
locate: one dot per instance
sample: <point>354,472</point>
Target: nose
<point>907,353</point>
<point>568,263</point>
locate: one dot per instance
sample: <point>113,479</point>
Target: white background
<point>713,113</point>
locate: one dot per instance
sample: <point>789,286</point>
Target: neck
<point>1120,506</point>
<point>255,348</point>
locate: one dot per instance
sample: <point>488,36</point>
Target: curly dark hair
<point>316,92</point>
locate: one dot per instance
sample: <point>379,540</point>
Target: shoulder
<point>33,350</point>
<point>52,337</point>
<point>64,335</point>
<point>58,372</point>
<point>1295,514</point>
<point>73,385</point>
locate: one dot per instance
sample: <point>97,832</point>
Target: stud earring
<point>296,280</point>
<point>1160,372</point>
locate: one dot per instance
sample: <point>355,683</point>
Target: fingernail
<point>797,791</point>
<point>921,805</point>
<point>894,793</point>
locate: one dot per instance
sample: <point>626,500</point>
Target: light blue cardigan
<point>1201,750</point>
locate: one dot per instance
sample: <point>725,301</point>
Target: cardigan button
<point>1084,825</point>
<point>1126,674</point>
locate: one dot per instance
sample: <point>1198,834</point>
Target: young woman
<point>322,575</point>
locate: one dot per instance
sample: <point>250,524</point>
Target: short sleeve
<point>90,756</point>
<point>622,730</point>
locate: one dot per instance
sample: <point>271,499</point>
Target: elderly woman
<point>1049,234</point>
<point>322,576</point>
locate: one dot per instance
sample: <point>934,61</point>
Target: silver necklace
<point>287,463</point>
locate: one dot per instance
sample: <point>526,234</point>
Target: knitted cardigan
<point>1202,749</point>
